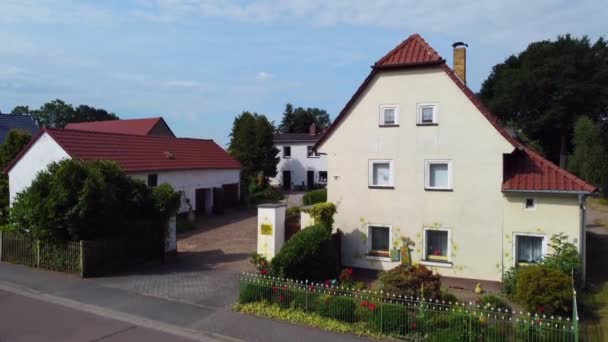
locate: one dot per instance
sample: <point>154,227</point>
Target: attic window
<point>427,114</point>
<point>169,155</point>
<point>389,115</point>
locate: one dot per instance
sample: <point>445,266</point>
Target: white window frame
<point>533,208</point>
<point>369,241</point>
<point>544,248</point>
<point>381,122</point>
<point>419,107</point>
<point>370,181</point>
<point>283,152</point>
<point>427,174</point>
<point>424,261</point>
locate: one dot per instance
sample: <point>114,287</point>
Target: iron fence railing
<point>406,317</point>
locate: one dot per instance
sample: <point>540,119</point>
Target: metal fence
<point>62,257</point>
<point>86,258</point>
<point>406,317</point>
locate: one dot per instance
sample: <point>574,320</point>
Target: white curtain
<point>389,116</point>
<point>438,175</point>
<point>427,114</point>
<point>382,174</point>
<point>529,248</point>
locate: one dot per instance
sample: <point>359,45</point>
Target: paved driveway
<point>209,261</point>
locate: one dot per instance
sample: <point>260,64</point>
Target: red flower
<point>437,252</point>
<point>414,325</point>
<point>281,297</point>
<point>371,307</point>
<point>263,272</point>
<point>363,304</point>
<point>311,288</point>
<point>540,309</point>
<point>274,290</point>
<point>326,283</point>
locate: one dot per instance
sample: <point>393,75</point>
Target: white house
<point>414,154</point>
<point>207,176</point>
<point>300,166</point>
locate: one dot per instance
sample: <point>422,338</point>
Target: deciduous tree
<point>546,88</point>
<point>298,120</point>
<point>57,114</point>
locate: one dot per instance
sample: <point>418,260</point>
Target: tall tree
<point>252,145</point>
<point>14,142</point>
<point>298,120</point>
<point>588,160</point>
<point>547,87</point>
<point>57,114</point>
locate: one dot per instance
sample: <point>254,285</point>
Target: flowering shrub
<point>346,277</point>
<point>544,290</point>
<point>260,263</point>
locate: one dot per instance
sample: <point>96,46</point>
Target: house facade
<point>206,175</point>
<point>415,155</point>
<point>300,167</point>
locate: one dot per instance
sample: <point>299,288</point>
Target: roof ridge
<point>423,44</point>
<point>123,134</point>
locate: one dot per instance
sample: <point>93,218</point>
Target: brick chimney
<point>460,60</point>
<point>312,130</point>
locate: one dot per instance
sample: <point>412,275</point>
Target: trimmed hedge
<point>408,281</point>
<point>315,196</point>
<point>309,254</point>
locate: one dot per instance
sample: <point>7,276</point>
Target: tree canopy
<point>547,87</point>
<point>298,120</point>
<point>589,159</point>
<point>57,114</point>
<point>14,142</point>
<point>87,200</point>
<point>251,143</point>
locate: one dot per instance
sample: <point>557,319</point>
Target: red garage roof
<point>128,126</point>
<point>524,170</point>
<point>137,153</point>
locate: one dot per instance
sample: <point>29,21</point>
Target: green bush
<point>308,255</point>
<point>339,308</point>
<point>509,281</point>
<point>449,298</point>
<point>88,200</point>
<point>491,301</point>
<point>541,289</point>
<point>564,256</point>
<point>255,293</point>
<point>390,320</point>
<point>293,211</point>
<point>409,281</point>
<point>322,213</point>
<point>315,196</point>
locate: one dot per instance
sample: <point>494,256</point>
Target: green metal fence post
<point>306,295</point>
<point>37,253</point>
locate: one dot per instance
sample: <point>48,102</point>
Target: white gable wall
<point>42,153</point>
<point>473,211</point>
<point>299,163</point>
<point>190,180</point>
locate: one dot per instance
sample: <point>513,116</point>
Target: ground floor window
<point>322,176</point>
<point>529,248</point>
<point>437,244</point>
<point>379,240</point>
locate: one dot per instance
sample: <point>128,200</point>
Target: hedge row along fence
<point>85,258</point>
<point>407,318</point>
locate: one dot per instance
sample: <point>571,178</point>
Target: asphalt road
<point>24,319</point>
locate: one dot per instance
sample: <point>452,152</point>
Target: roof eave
<point>407,65</point>
<point>551,192</point>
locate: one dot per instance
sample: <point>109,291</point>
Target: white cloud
<point>499,21</point>
<point>263,75</point>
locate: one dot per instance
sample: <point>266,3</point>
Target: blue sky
<point>198,63</point>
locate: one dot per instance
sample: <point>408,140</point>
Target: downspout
<point>583,239</point>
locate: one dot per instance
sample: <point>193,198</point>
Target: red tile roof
<point>136,153</point>
<point>412,51</point>
<point>526,170</point>
<point>128,126</point>
<point>415,52</point>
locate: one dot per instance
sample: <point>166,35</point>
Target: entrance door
<point>310,179</point>
<point>287,180</point>
<point>218,201</point>
<point>199,201</point>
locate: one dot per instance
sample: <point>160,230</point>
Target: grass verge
<point>273,311</point>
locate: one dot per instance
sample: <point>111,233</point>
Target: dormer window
<point>389,115</point>
<point>427,114</point>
